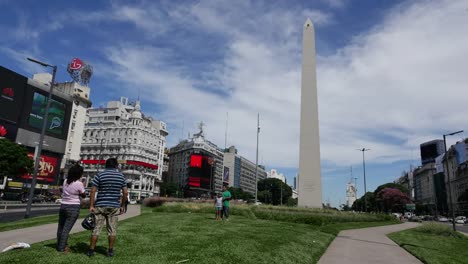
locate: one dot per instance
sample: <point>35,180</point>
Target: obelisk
<point>310,179</point>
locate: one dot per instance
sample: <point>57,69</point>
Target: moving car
<point>460,220</point>
<point>442,219</point>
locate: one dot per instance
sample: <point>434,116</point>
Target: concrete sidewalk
<point>41,233</point>
<point>368,245</point>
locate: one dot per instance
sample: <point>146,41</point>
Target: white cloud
<point>404,79</point>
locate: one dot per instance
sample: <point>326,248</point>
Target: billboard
<point>55,119</point>
<point>226,175</point>
<point>48,168</point>
<point>200,171</point>
<point>32,116</point>
<point>12,90</point>
<point>8,130</point>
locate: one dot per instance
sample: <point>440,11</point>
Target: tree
<point>14,159</point>
<point>169,189</point>
<point>238,193</point>
<point>393,200</point>
<point>358,205</point>
<point>272,189</point>
<point>400,187</point>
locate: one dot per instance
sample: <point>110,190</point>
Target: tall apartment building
<point>351,193</point>
<point>424,191</point>
<point>196,165</point>
<point>80,95</point>
<point>241,171</point>
<point>430,150</point>
<point>122,131</point>
<point>273,173</point>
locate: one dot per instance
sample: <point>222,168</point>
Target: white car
<point>58,201</point>
<point>460,220</point>
<point>132,201</point>
<point>442,219</point>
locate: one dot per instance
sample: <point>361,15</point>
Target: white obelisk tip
<point>308,23</point>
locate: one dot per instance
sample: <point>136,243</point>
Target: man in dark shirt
<point>111,190</point>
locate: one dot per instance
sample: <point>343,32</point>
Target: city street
<point>16,212</point>
<point>459,227</point>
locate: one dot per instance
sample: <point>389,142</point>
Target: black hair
<point>74,173</point>
<point>111,163</point>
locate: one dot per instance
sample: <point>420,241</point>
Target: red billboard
<point>48,167</point>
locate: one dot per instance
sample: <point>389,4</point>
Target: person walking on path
<point>226,199</point>
<point>111,189</point>
<point>73,189</point>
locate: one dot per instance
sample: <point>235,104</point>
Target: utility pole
<point>256,159</point>
<point>38,151</point>
<point>364,168</point>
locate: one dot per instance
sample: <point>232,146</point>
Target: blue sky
<point>391,74</point>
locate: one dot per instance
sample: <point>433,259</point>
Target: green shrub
<point>438,229</point>
<point>318,217</point>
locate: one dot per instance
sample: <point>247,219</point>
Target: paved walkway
<point>41,233</point>
<point>368,245</point>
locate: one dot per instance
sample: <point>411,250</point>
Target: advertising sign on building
<point>12,89</point>
<point>47,168</point>
<point>8,130</point>
<point>226,175</point>
<point>55,119</point>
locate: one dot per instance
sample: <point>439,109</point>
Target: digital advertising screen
<point>200,171</point>
<point>12,89</point>
<point>55,119</point>
<point>8,130</point>
<point>48,168</point>
<point>226,175</point>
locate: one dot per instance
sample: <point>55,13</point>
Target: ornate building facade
<point>122,131</point>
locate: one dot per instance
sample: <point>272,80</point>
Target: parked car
<point>132,201</point>
<point>396,215</point>
<point>59,200</point>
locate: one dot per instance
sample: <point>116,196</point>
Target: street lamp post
<point>448,177</point>
<point>256,158</point>
<point>41,137</point>
<point>364,169</point>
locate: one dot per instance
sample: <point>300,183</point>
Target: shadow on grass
<point>82,248</point>
<point>403,245</point>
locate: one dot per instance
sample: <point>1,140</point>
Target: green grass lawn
<point>35,221</point>
<point>433,248</point>
<point>167,237</point>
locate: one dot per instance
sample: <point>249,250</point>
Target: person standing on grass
<point>226,199</point>
<point>111,189</point>
<point>73,189</point>
<point>218,206</point>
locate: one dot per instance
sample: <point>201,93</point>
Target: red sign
<point>3,131</point>
<point>76,64</point>
<point>8,92</point>
<point>47,168</point>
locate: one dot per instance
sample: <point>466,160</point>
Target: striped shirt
<point>109,184</point>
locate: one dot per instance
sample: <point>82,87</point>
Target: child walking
<point>218,206</point>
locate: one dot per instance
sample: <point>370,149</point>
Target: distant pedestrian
<point>218,206</point>
<point>112,193</point>
<point>226,199</point>
<point>73,189</point>
<point>127,201</point>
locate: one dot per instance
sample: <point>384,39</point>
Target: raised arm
<point>92,199</point>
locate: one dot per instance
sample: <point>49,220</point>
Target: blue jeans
<point>225,212</point>
<point>67,217</point>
